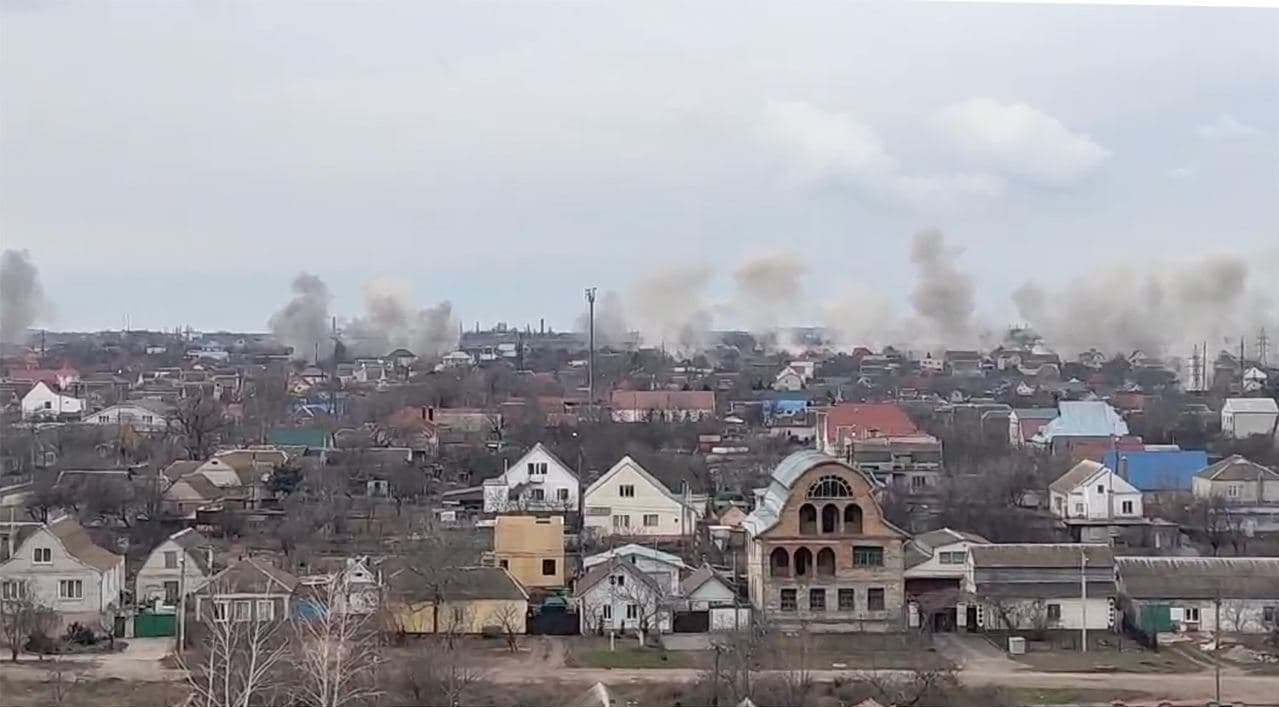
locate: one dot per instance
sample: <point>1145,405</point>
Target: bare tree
<point>511,621</point>
<point>46,498</point>
<point>337,650</point>
<point>23,615</point>
<point>59,685</point>
<point>905,688</point>
<point>197,421</point>
<point>446,677</point>
<point>239,662</point>
<point>737,656</point>
<point>434,559</point>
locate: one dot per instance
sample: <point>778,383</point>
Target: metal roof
<point>1250,405</point>
<point>1199,577</point>
<point>1157,471</point>
<point>1084,418</point>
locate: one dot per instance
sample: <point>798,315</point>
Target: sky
<point>181,162</point>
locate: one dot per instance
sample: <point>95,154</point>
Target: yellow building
<point>531,549</point>
<point>473,600</point>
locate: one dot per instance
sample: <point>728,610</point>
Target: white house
<point>61,566</point>
<point>1091,491</point>
<point>41,403</point>
<point>627,500</point>
<point>618,596</point>
<point>1181,593</point>
<point>789,379</point>
<point>1041,585</point>
<point>663,567</point>
<point>249,590</point>
<point>705,589</point>
<point>141,415</point>
<point>1245,417</point>
<point>182,563</point>
<point>936,566</point>
<point>539,481</point>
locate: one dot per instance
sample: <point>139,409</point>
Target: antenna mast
<point>590,361</point>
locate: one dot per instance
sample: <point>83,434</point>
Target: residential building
<point>182,563</point>
<point>344,584</point>
<point>936,565</point>
<point>1154,472</point>
<point>627,500</point>
<point>1238,481</point>
<point>963,363</point>
<point>788,379</point>
<point>1092,491</point>
<point>531,548</point>
<point>248,590</point>
<point>705,588</point>
<point>1080,421</point>
<point>473,600</point>
<point>539,481</point>
<point>1181,593</point>
<point>1025,423</point>
<point>663,405</point>
<point>910,464</point>
<point>140,415</point>
<point>820,552</point>
<point>1243,417</point>
<point>619,596</point>
<point>663,567</point>
<point>838,425</point>
<point>1048,586</point>
<point>60,565</point>
<point>43,403</point>
<point>59,378</point>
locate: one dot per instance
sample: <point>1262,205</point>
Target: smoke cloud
<point>944,295</point>
<point>22,299</point>
<point>304,321</point>
<point>390,321</point>
<point>610,320</point>
<point>671,308</point>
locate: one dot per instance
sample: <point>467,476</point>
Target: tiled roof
<point>664,399</point>
<point>81,546</point>
<point>1237,468</point>
<point>868,419</point>
<point>254,576</point>
<point>194,544</point>
<point>1077,475</point>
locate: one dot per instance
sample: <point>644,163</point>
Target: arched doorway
<point>803,562</point>
<point>779,562</point>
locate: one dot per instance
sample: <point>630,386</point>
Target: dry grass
<point>97,693</point>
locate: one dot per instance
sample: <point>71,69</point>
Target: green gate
<point>155,625</point>
<point>1156,618</point>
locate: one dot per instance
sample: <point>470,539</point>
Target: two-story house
<point>531,548</point>
<point>1242,418</point>
<point>820,551</point>
<point>1093,492</point>
<point>627,500</point>
<point>182,563</point>
<point>43,403</point>
<point>140,415</point>
<point>936,564</point>
<point>60,565</point>
<point>539,481</point>
<point>618,596</point>
<point>665,568</point>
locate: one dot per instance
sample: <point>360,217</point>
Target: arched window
<point>803,562</point>
<point>807,519</point>
<point>829,487</point>
<point>830,518</point>
<point>779,562</point>
<point>825,562</point>
<point>853,519</point>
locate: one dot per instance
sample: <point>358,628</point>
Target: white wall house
<point>1091,491</point>
<point>141,416</point>
<point>539,481</point>
<point>789,379</point>
<point>627,500</point>
<point>705,589</point>
<point>617,596</point>
<point>1028,586</point>
<point>41,402</point>
<point>663,567</point>
<point>61,566</point>
<point>182,563</point>
<point>1187,589</point>
<point>1245,417</point>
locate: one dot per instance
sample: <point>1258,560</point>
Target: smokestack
<point>542,326</point>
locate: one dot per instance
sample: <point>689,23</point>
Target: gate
<point>155,625</point>
<point>691,622</point>
<point>552,623</point>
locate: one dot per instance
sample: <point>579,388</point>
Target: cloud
<point>821,146</point>
<point>1227,127</point>
<point>1019,139</point>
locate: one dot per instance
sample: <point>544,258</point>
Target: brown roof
<point>252,576</point>
<point>194,544</point>
<point>1237,468</point>
<point>201,485</point>
<point>868,420</point>
<point>664,399</point>
<point>467,583</point>
<point>81,546</point>
<point>1040,555</point>
<point>1077,474</point>
<point>179,469</point>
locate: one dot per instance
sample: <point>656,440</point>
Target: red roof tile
<point>861,420</point>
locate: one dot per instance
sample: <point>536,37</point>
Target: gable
<point>629,471</point>
<point>860,490</point>
<point>556,470</point>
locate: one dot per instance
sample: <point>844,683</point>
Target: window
<point>830,518</point>
<point>807,519</point>
<point>219,611</point>
<point>957,557</point>
<point>104,419</point>
<point>171,593</point>
<point>147,419</point>
<point>1232,490</point>
<point>548,568</point>
<point>868,556</point>
<point>779,562</point>
<point>1054,613</point>
<point>1268,614</point>
<point>539,494</point>
<point>918,482</point>
<point>826,562</point>
<point>1192,614</point>
<point>847,599</point>
<point>13,590</point>
<point>632,611</point>
<point>266,610</point>
<point>504,564</point>
<point>608,612</point>
<point>1079,508</point>
<point>617,580</point>
<point>621,521</point>
<point>42,556</point>
<point>626,491</point>
<point>1101,488</point>
<point>817,600</point>
<point>71,589</point>
<point>650,520</point>
<point>561,494</point>
<point>1127,507</point>
<point>875,599</point>
<point>243,610</point>
<point>853,519</point>
<point>170,560</point>
<point>829,487</point>
<point>788,600</point>
<point>537,468</point>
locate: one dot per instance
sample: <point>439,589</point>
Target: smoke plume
<point>671,309</point>
<point>770,293</point>
<point>22,298</point>
<point>303,323</point>
<point>944,295</point>
<point>610,320</point>
<point>390,322</point>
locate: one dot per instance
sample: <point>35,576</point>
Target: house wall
<point>524,542</point>
<point>41,401</point>
<point>496,492</point>
<point>1238,491</point>
<point>1239,425</point>
<point>673,517</point>
<point>710,594</point>
<point>665,573</point>
<point>99,591</point>
<point>139,418</point>
<point>152,575</point>
<point>1096,497</point>
<point>280,603</point>
<point>1237,615</point>
<point>729,619</point>
<point>470,616</point>
<point>932,567</point>
<point>590,607</point>
<point>1100,613</point>
<point>665,415</point>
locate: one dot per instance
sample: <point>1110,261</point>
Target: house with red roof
<point>840,425</point>
<point>663,405</point>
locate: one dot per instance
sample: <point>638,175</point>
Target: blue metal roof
<point>1157,471</point>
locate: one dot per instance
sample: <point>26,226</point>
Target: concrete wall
<point>1025,614</point>
<point>1240,425</point>
<point>470,616</point>
<point>673,518</point>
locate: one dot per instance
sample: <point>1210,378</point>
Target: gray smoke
<point>944,295</point>
<point>1030,301</point>
<point>610,320</point>
<point>22,299</point>
<point>770,295</point>
<point>390,322</point>
<point>671,308</point>
<point>303,323</point>
<point>434,330</point>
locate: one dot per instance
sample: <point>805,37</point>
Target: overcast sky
<point>182,161</point>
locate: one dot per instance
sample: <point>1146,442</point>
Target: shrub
<point>80,634</point>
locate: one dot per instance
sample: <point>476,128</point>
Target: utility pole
<point>182,603</point>
<point>1083,599</point>
<point>1216,641</point>
<point>590,362</point>
<point>1263,347</point>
